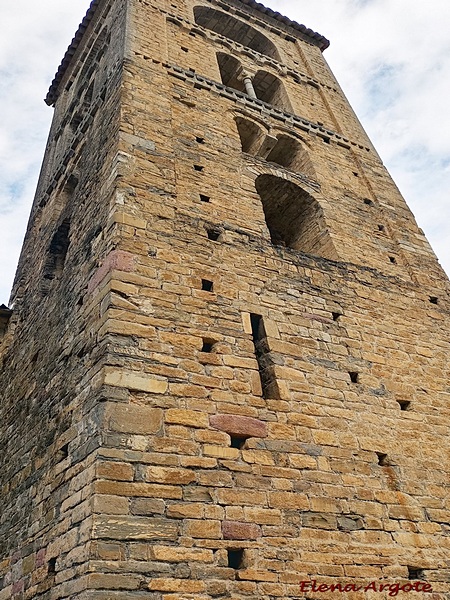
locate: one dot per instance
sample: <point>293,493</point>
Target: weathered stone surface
<point>201,269</point>
<point>133,418</point>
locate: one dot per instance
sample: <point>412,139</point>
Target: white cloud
<point>392,57</point>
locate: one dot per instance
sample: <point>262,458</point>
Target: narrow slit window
<point>51,566</point>
<point>266,366</point>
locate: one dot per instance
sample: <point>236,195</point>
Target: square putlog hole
<point>208,345</point>
<point>235,559</point>
<point>416,573</point>
<point>207,285</point>
<point>204,198</point>
<point>382,459</point>
<point>238,441</point>
<point>354,376</point>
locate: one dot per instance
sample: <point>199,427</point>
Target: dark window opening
<point>354,376</point>
<point>380,227</point>
<point>238,441</point>
<point>382,459</point>
<point>434,300</point>
<point>198,167</point>
<point>393,260</point>
<point>336,316</point>
<point>235,559</point>
<point>200,140</point>
<point>416,573</point>
<point>294,218</point>
<point>208,345</point>
<point>266,366</point>
<point>207,285</point>
<point>236,30</point>
<point>404,404</point>
<point>204,198</point>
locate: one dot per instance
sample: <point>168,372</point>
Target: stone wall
<point>195,409</point>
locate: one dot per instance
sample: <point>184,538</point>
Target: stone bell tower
<point>224,367</point>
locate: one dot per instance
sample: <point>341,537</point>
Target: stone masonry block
<point>236,530</point>
<point>133,381</point>
<point>239,425</point>
<point>190,418</point>
<point>133,418</point>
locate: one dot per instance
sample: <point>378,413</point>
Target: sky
<point>391,57</point>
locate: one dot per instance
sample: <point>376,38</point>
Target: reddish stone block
<point>117,260</point>
<point>236,530</point>
<point>238,425</point>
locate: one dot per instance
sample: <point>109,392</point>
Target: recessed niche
<point>235,558</point>
<point>207,285</point>
<point>382,459</point>
<point>416,573</point>
<point>354,376</point>
<point>404,404</point>
<point>204,198</point>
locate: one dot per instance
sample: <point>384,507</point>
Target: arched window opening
<point>230,68</point>
<point>269,89</point>
<point>236,30</point>
<point>289,153</point>
<point>251,135</point>
<point>293,217</point>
